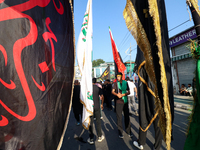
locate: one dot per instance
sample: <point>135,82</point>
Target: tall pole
<point>130,62</point>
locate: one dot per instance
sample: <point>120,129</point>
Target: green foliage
<point>97,62</point>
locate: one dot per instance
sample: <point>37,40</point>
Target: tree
<point>97,62</point>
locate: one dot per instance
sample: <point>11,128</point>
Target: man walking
<point>96,92</point>
<point>121,90</point>
<point>131,96</point>
<point>108,94</point>
<point>76,104</point>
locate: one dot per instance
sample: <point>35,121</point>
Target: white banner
<point>84,58</point>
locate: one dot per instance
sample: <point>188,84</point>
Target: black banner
<point>147,22</point>
<point>106,74</point>
<point>36,72</point>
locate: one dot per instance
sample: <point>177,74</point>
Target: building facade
<point>183,65</point>
<point>102,67</point>
<point>129,66</point>
<point>77,73</point>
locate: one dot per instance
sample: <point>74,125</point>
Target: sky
<point>110,13</point>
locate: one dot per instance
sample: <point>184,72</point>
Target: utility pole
<point>130,63</point>
<point>130,59</point>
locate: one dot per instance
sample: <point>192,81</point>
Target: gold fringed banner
<point>135,27</point>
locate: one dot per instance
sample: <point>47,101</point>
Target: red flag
<point>117,59</point>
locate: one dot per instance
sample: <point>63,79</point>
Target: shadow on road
<point>76,136</point>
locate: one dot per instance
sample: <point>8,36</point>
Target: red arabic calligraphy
<point>16,12</point>
<point>12,84</point>
<point>49,36</point>
<point>3,121</point>
<point>59,10</point>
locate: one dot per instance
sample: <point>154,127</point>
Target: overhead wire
<point>127,36</point>
<point>123,40</point>
<point>179,25</point>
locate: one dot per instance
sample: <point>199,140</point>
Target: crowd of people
<point>122,92</point>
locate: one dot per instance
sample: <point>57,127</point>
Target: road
<point>76,136</point>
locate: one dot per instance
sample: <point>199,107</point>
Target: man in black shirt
<point>109,94</point>
<point>76,104</point>
<point>121,90</point>
<point>96,111</point>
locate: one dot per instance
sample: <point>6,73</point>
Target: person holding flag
<point>119,65</point>
<point>121,90</point>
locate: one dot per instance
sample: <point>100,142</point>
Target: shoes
<point>90,141</point>
<point>136,113</point>
<point>121,135</point>
<point>101,117</point>
<point>78,123</point>
<point>136,144</point>
<point>130,134</point>
<point>101,138</point>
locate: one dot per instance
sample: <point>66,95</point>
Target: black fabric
<point>146,100</point>
<point>98,124</point>
<point>37,65</point>
<point>77,116</point>
<point>119,109</point>
<point>108,89</point>
<point>158,136</point>
<point>115,87</point>
<point>149,29</point>
<point>76,104</point>
<point>109,95</point>
<point>96,92</point>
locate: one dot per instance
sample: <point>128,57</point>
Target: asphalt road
<point>76,136</point>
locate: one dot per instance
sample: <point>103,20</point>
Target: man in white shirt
<point>131,97</point>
